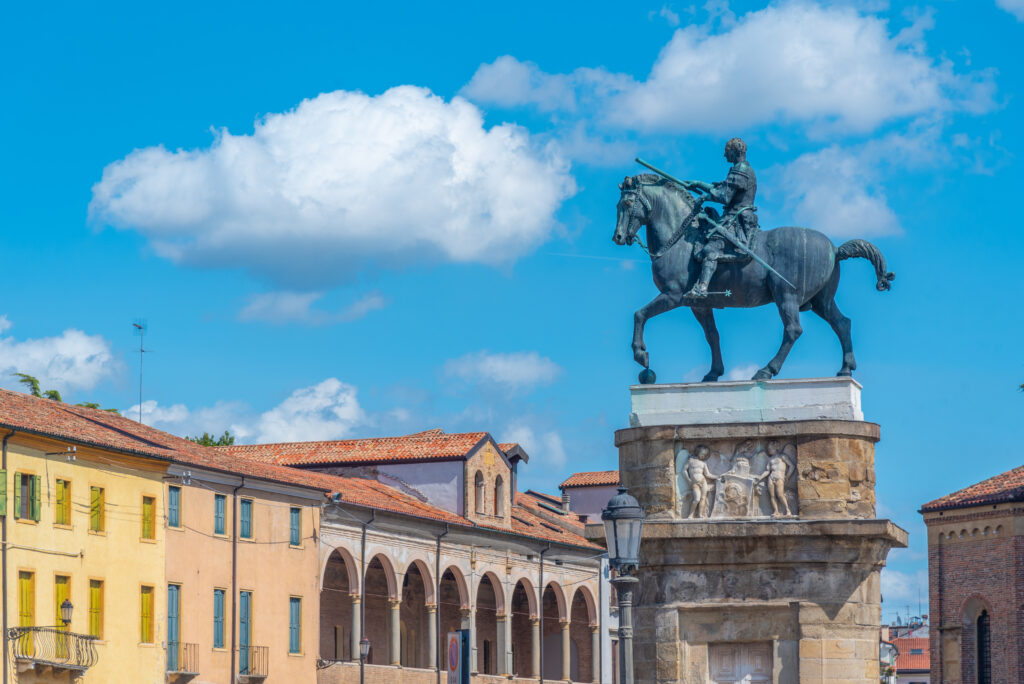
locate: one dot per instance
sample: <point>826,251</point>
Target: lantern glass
<point>623,519</point>
<point>609,535</point>
<point>66,609</point>
<point>364,648</point>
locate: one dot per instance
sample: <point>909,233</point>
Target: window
<point>294,625</point>
<point>26,598</point>
<point>218,618</point>
<point>244,631</point>
<point>246,514</point>
<point>146,615</point>
<point>296,526</point>
<point>3,492</point>
<point>984,646</point>
<point>174,506</point>
<point>148,506</point>
<point>479,496</point>
<point>26,496</point>
<point>499,497</point>
<point>97,509</point>
<point>62,513</point>
<point>61,592</point>
<point>96,608</point>
<point>219,506</point>
<point>917,651</point>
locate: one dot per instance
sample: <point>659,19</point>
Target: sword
<point>692,186</point>
<point>738,244</point>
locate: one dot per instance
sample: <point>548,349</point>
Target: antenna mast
<point>140,327</point>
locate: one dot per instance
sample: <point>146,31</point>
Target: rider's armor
<point>736,193</point>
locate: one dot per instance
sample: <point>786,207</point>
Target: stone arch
<point>560,601</point>
<point>453,605</point>
<point>460,583</point>
<point>499,589</point>
<point>430,586</point>
<point>339,606</point>
<point>351,566</point>
<point>523,613</point>
<point>389,573</point>
<point>583,593</point>
<point>488,604</point>
<point>972,607</point>
<point>479,493</point>
<point>415,622</point>
<point>529,588</point>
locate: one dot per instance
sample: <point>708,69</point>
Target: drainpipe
<point>362,594</point>
<point>437,601</point>
<point>234,575</point>
<point>540,609</point>
<point>3,544</point>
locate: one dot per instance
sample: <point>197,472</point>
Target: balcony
<point>52,649</point>
<point>182,661</point>
<point>253,663</point>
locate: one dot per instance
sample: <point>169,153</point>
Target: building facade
<point>976,582</point>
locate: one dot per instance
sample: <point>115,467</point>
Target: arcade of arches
<point>515,632</point>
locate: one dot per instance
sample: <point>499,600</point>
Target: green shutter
<point>34,488</point>
<point>17,495</point>
<point>3,492</point>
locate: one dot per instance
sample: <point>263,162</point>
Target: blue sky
<point>340,221</point>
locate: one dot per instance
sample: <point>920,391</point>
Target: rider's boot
<point>707,270</point>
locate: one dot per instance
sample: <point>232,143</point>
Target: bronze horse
<point>804,257</point>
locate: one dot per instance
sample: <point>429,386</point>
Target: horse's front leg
<point>706,317</point>
<point>789,311</point>
<point>666,301</point>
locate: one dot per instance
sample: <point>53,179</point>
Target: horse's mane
<point>656,180</point>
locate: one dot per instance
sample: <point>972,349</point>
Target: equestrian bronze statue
<point>706,260</point>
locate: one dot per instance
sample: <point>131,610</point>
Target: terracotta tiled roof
<point>908,661</point>
<point>593,479</point>
<point>432,445</point>
<point>1008,486</point>
<point>105,430</point>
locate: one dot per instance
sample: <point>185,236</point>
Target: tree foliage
<point>206,439</point>
<point>32,385</point>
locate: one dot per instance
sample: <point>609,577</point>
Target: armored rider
<point>736,194</point>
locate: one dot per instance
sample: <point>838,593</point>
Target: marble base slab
<point>747,401</point>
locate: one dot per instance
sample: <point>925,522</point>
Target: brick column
<point>595,653</point>
<point>432,645</point>
<point>566,650</point>
<point>395,642</point>
<point>535,647</point>
<point>355,631</point>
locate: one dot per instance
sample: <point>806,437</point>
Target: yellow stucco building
<point>177,562</point>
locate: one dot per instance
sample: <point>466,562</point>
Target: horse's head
<point>631,211</point>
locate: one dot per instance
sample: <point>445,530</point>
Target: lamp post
<point>623,524</point>
<point>364,650</point>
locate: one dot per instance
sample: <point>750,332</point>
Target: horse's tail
<point>852,249</point>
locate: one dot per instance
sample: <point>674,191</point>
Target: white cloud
<point>744,372</point>
<point>72,360</point>
<point>795,62</point>
<point>327,410</point>
<point>296,307</point>
<point>517,370</point>
<point>341,179</point>
<point>545,448</point>
<point>899,588</point>
<point>666,13</point>
<point>1014,7</point>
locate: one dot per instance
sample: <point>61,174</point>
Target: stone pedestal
<point>761,553</point>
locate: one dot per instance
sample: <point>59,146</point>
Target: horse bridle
<point>639,198</point>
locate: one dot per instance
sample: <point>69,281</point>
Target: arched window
<point>984,647</point>
<point>499,497</point>
<point>479,487</point>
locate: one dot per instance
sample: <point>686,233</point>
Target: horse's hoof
<point>844,374</point>
<point>710,377</point>
<point>647,377</point>
<point>762,374</point>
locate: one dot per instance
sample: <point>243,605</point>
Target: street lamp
<point>65,612</point>
<point>623,524</point>
<point>364,648</point>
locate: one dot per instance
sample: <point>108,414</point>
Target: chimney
<point>565,500</point>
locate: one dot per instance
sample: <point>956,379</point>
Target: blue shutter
<point>244,630</point>
<point>246,531</point>
<point>294,619</point>
<point>218,513</point>
<point>218,618</point>
<point>174,506</point>
<point>296,520</point>
<point>172,628</point>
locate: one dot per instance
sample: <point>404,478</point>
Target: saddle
<point>729,252</point>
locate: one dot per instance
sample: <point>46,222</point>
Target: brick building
<point>976,582</point>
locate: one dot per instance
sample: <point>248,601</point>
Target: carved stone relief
<point>747,479</point>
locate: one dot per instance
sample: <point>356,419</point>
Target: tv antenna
<point>140,327</point>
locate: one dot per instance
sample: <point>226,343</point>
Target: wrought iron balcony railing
<point>182,658</point>
<point>53,647</point>
<point>253,661</point>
